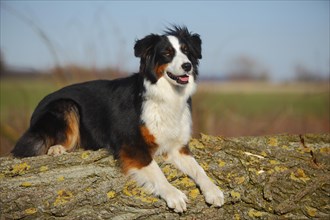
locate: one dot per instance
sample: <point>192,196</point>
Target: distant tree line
<point>304,74</point>
<point>245,68</point>
<point>242,68</point>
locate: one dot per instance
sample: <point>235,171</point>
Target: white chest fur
<point>166,114</point>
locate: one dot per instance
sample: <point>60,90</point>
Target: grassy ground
<point>228,109</point>
<point>236,109</point>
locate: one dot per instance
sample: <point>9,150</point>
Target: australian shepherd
<point>137,118</point>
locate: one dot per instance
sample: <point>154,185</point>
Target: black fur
<point>109,115</point>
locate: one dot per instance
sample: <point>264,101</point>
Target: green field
<point>22,95</point>
<point>227,109</point>
<point>236,109</point>
<point>252,105</point>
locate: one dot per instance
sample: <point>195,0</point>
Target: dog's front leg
<point>185,162</point>
<point>153,180</point>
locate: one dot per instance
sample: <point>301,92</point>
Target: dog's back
<point>83,115</point>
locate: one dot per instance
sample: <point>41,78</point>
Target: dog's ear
<point>145,49</point>
<point>145,45</point>
<point>196,45</point>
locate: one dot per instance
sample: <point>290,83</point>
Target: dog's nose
<point>186,67</point>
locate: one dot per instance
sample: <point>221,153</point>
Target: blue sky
<point>279,35</point>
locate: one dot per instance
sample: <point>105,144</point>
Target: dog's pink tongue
<point>184,78</point>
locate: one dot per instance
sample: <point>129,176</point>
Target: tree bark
<point>272,177</point>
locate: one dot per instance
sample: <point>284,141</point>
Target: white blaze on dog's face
<point>179,71</point>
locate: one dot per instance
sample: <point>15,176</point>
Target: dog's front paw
<point>214,196</point>
<point>175,199</point>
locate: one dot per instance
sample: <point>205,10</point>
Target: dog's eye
<point>167,53</point>
<point>184,49</point>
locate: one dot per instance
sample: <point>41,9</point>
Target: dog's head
<point>173,55</point>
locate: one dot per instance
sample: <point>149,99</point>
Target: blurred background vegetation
<point>244,100</point>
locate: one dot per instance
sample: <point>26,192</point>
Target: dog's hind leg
<point>52,132</point>
<point>71,133</point>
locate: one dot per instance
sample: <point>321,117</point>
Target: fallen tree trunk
<point>272,177</point>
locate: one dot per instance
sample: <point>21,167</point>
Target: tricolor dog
<point>137,118</point>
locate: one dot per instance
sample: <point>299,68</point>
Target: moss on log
<point>272,177</point>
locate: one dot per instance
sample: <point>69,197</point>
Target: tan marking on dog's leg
<point>149,139</point>
<point>72,136</point>
<point>129,161</point>
<point>72,132</point>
